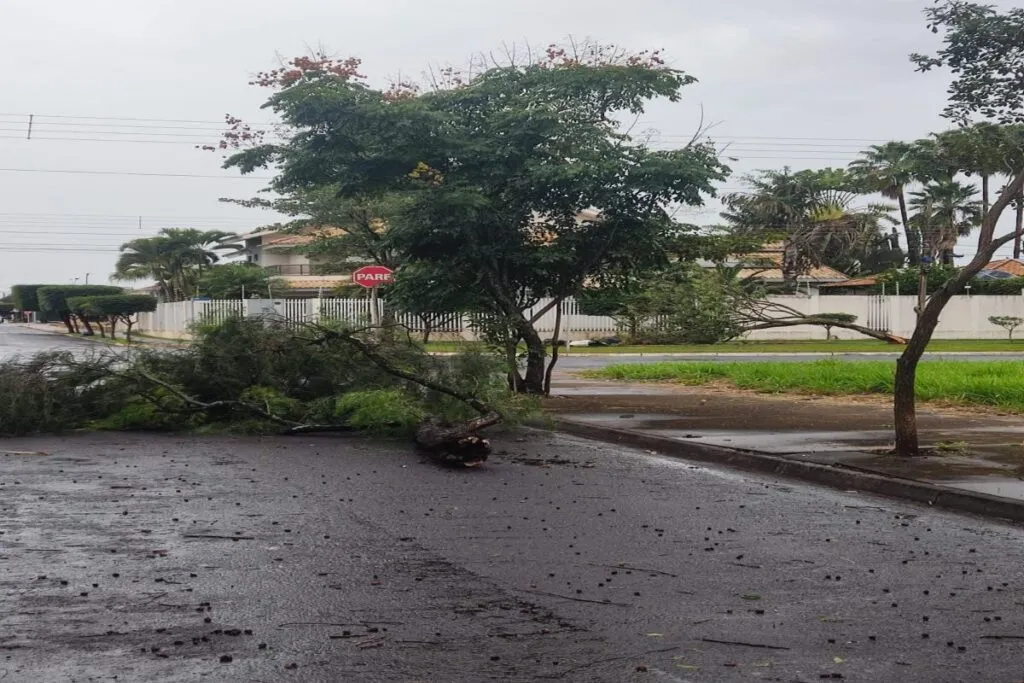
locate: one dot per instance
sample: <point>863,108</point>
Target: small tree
<point>836,317</point>
<point>1007,322</point>
<point>53,300</point>
<point>983,49</point>
<point>114,308</point>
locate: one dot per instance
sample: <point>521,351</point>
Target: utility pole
<point>87,278</point>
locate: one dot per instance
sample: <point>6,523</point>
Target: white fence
<point>965,317</point>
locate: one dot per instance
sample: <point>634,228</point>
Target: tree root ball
<point>452,445</point>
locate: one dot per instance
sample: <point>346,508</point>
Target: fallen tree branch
<point>743,644</point>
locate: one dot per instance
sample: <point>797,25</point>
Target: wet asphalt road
<point>159,558</point>
<point>21,341</point>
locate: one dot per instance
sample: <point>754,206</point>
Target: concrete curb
<point>839,477</point>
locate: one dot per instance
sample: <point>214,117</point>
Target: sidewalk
<point>980,457</point>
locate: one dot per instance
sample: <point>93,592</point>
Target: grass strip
<point>995,384</point>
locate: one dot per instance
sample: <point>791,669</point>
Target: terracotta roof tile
<point>1008,265</point>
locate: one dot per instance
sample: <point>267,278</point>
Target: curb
<point>839,477</point>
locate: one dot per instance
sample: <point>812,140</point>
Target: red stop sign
<point>371,276</point>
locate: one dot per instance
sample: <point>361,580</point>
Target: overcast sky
<point>804,83</point>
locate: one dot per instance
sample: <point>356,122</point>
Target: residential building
<point>280,254</point>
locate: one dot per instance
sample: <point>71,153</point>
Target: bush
<point>26,297</point>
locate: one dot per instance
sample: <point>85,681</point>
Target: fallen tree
<point>259,376</point>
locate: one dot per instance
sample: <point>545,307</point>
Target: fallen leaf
<point>654,635</point>
<point>751,596</point>
<point>838,660</point>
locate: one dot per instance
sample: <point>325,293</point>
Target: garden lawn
<point>998,384</point>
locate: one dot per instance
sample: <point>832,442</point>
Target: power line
<point>133,173</point>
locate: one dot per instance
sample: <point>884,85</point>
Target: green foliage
<point>111,305</point>
<point>234,281</point>
<point>490,178</point>
<point>1007,322</point>
<point>26,297</point>
<point>175,258</point>
<point>381,411</point>
<point>680,304</point>
<point>240,364</point>
<point>813,214</point>
<point>49,392</point>
<point>906,282</point>
<point>53,299</point>
<point>984,50</point>
<point>998,385</point>
<point>835,317</point>
<point>159,412</point>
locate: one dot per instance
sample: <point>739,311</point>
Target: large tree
<point>983,48</point>
<point>513,182</point>
<point>888,169</point>
<point>812,213</point>
<point>174,258</point>
<point>944,211</point>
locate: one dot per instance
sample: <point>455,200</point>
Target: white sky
<point>804,83</point>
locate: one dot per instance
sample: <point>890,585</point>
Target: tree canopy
<point>514,182</point>
<point>175,259</point>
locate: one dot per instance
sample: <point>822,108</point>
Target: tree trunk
<point>533,380</point>
<point>427,328</point>
<point>113,327</point>
<point>904,394</point>
<point>68,324</point>
<point>88,326</point>
<point>554,349</point>
<point>128,330</point>
<point>1019,224</point>
<point>913,238</point>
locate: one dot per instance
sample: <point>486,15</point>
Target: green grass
<point>998,384</point>
<point>846,346</point>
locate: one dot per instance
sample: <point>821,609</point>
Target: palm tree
<point>979,150</point>
<point>945,210</point>
<point>889,169</point>
<point>811,212</point>
<point>174,258</point>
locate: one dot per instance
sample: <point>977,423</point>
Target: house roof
<point>766,264</point>
<point>276,240</point>
<point>824,274</point>
<point>1007,265</point>
<point>865,281</point>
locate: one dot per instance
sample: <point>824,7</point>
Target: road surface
<point>16,340</point>
<point>161,558</point>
